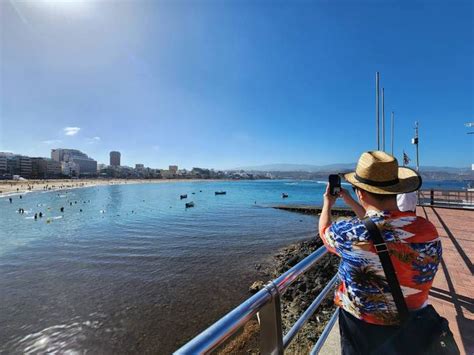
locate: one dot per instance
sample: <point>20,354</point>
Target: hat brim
<point>408,181</point>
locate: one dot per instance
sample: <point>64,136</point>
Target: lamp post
<point>415,142</point>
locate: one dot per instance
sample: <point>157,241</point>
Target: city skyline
<point>223,86</point>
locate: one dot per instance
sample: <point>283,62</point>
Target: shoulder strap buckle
<point>381,248</point>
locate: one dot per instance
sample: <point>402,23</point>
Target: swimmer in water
<point>41,215</point>
<point>36,216</point>
<point>62,209</point>
<point>10,199</point>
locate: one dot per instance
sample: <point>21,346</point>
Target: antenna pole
<point>377,91</point>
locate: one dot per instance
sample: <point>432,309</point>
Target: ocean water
<point>135,271</point>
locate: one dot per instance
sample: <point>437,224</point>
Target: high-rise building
<point>115,158</point>
<point>85,165</point>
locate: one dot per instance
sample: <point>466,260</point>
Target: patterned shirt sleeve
<point>340,235</point>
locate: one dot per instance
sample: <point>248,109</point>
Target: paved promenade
<point>453,288</point>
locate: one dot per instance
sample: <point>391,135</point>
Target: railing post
<point>431,197</point>
<point>271,337</point>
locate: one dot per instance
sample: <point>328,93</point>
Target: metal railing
<point>266,303</point>
<point>447,198</point>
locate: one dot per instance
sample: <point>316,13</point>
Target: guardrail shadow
<point>465,325</point>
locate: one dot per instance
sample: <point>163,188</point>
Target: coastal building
<point>173,169</point>
<point>115,158</point>
<point>25,166</point>
<point>3,164</point>
<point>139,167</point>
<point>84,164</point>
<point>16,164</point>
<point>43,168</point>
<point>69,168</point>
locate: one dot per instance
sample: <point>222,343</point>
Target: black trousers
<point>362,338</point>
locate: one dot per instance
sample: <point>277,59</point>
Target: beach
<point>14,187</point>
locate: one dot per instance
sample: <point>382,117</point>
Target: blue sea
<point>127,268</point>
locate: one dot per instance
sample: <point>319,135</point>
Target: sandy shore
<point>10,187</point>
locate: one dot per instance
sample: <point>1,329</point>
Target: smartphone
<point>334,185</point>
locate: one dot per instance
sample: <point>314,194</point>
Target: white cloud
<point>93,140</point>
<point>71,131</point>
<point>51,141</point>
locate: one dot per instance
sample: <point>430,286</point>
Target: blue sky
<point>225,84</point>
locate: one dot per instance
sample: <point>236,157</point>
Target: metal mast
<point>383,119</point>
<point>391,130</point>
<point>377,91</point>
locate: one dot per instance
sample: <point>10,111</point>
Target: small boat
<point>183,196</point>
<point>284,195</point>
<point>189,204</point>
<point>220,192</point>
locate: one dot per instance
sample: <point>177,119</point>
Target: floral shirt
<point>415,251</point>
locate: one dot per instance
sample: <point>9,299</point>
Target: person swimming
<point>62,209</point>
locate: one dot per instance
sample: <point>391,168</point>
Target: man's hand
<point>329,200</point>
<point>325,217</point>
<point>353,204</point>
<point>346,196</point>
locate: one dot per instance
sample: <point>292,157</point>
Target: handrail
<point>309,312</point>
<point>446,198</point>
<point>220,331</point>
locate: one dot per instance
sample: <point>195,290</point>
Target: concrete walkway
<point>453,287</point>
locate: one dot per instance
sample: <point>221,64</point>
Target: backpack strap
<point>382,252</point>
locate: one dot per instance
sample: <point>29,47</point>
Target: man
<point>368,315</point>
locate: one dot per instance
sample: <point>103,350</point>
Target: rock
<point>256,286</point>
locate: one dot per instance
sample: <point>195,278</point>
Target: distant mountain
<point>340,167</point>
<point>298,167</point>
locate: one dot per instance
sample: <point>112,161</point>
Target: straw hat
<point>378,172</point>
